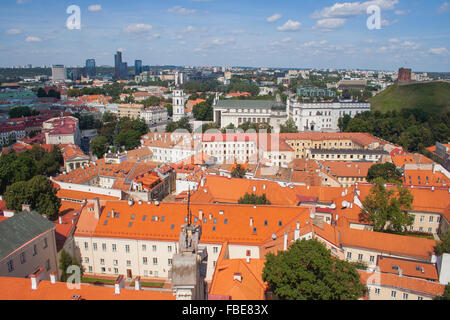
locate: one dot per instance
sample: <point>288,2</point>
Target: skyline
<point>288,34</point>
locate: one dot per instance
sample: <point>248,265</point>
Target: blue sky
<point>283,33</point>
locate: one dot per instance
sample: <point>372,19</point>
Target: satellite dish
<point>274,236</point>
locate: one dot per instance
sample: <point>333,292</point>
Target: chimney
<point>247,259</point>
<point>297,232</point>
<point>137,283</point>
<point>200,214</point>
<point>400,272</point>
<point>119,284</point>
<point>238,277</point>
<point>285,241</point>
<point>251,222</point>
<point>96,203</point>
<point>53,277</point>
<point>26,207</point>
<point>254,189</point>
<point>60,220</point>
<point>36,277</point>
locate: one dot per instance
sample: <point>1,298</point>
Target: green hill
<point>433,97</point>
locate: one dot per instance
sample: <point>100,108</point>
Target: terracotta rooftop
<point>409,268</point>
<point>20,289</point>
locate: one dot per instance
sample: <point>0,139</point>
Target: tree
<point>289,127</point>
<point>238,172</point>
<point>307,271</point>
<point>387,209</point>
<point>387,171</point>
<point>65,261</point>
<point>99,146</point>
<point>182,124</point>
<point>41,93</point>
<point>38,192</point>
<point>343,122</point>
<point>130,139</point>
<point>444,246</point>
<point>254,199</point>
<point>20,112</point>
<point>169,108</point>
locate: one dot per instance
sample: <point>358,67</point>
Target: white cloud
<point>290,26</point>
<point>402,12</point>
<point>315,44</point>
<point>329,24</point>
<point>274,18</point>
<point>13,31</point>
<point>349,9</point>
<point>371,41</point>
<point>387,23</point>
<point>138,28</point>
<point>439,51</point>
<point>33,39</point>
<point>182,11</point>
<point>394,40</point>
<point>22,1</point>
<point>443,8</point>
<point>95,8</point>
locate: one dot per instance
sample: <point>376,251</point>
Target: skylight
<point>105,223</point>
<point>132,217</point>
<point>144,218</point>
<point>130,224</point>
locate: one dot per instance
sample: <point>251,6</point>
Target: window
<point>215,250</point>
<point>393,294</point>
<point>34,250</point>
<point>86,245</point>
<point>169,249</point>
<point>214,263</point>
<point>377,291</point>
<point>104,247</point>
<point>45,243</point>
<point>48,265</point>
<point>422,218</point>
<point>116,262</point>
<point>103,270</point>
<point>94,245</point>
<point>116,271</point>
<point>154,248</point>
<point>144,260</point>
<point>419,298</point>
<point>431,219</point>
<point>86,260</point>
<point>10,266</point>
<point>102,262</point>
<point>169,262</point>
<point>155,261</point>
<point>349,255</point>
<point>372,258</point>
<point>114,248</point>
<point>90,269</point>
<point>360,257</point>
<point>144,247</point>
<point>127,248</point>
<point>405,296</point>
<point>22,258</point>
<point>128,263</point>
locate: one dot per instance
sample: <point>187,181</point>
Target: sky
<point>275,34</point>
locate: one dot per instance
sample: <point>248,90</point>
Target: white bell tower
<point>179,100</point>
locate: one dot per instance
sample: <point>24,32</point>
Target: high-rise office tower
<point>117,64</point>
<point>90,68</point>
<point>123,70</point>
<point>59,73</point>
<point>137,67</point>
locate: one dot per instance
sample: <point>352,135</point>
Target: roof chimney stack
<point>285,241</point>
<point>119,284</point>
<point>53,277</point>
<point>251,222</point>
<point>36,277</point>
<point>60,220</point>
<point>137,283</point>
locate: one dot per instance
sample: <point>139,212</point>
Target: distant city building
<point>123,70</point>
<point>90,68</point>
<point>138,67</point>
<point>77,73</point>
<point>117,64</point>
<point>59,73</point>
<point>309,92</point>
<point>404,75</point>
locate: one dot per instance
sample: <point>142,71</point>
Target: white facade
<point>179,100</point>
<point>323,116</point>
<point>155,115</point>
<point>240,151</point>
<point>59,73</point>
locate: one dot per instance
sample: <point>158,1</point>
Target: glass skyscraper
<point>117,64</point>
<point>137,67</point>
<point>90,68</point>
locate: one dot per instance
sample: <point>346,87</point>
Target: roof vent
<point>274,236</point>
<point>157,203</point>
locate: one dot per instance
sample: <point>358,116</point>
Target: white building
<point>59,73</point>
<point>154,115</point>
<point>179,100</point>
<point>323,116</point>
<point>238,112</point>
